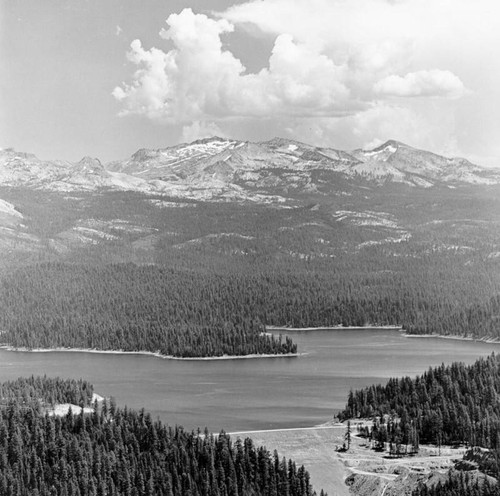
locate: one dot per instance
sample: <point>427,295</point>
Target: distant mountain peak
<point>144,154</point>
<point>12,152</point>
<point>90,161</point>
<point>89,165</point>
<point>389,144</point>
<point>222,169</point>
<point>279,142</point>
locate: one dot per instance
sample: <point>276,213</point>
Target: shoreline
<point>288,429</point>
<point>337,328</point>
<point>146,353</point>
<point>399,328</point>
<point>453,338</point>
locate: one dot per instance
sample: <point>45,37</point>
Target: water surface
<point>240,395</point>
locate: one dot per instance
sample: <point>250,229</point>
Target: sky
<point>107,77</point>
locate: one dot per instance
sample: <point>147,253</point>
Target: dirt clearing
<point>360,470</point>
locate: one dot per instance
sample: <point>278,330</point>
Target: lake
<point>252,394</point>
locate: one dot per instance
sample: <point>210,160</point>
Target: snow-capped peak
<point>220,168</point>
<point>89,164</point>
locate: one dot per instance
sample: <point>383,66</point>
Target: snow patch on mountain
<point>270,172</point>
<point>383,152</point>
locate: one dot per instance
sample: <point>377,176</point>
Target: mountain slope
<point>279,199</point>
<point>392,235</point>
<point>402,163</point>
<point>275,171</point>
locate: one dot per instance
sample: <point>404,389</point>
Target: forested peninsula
<point>447,405</point>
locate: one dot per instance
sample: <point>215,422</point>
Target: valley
<point>221,248</point>
<point>364,244</point>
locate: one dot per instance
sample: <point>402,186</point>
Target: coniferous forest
<point>124,452</point>
<point>213,311</point>
<point>447,404</point>
<point>204,278</point>
<point>131,308</point>
<point>459,485</point>
<point>451,405</point>
<point>45,391</point>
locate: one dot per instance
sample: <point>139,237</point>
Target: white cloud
<point>422,83</point>
<point>186,83</point>
<point>333,73</point>
<point>327,60</point>
<point>198,79</point>
<point>149,92</point>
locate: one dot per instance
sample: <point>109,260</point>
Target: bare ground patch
<point>313,448</point>
<point>360,470</point>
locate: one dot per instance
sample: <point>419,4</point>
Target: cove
<point>254,394</point>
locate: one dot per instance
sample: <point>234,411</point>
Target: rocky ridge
<point>265,172</point>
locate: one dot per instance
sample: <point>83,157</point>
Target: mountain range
<point>279,198</point>
<point>223,169</point>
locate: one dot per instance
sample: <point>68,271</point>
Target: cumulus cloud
<point>187,82</point>
<point>422,83</point>
<point>198,79</point>
<point>333,75</point>
<point>327,60</point>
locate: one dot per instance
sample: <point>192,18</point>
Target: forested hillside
<point>453,404</point>
<point>125,307</point>
<point>123,452</point>
<point>188,310</point>
<point>194,278</point>
<point>447,404</point>
<point>458,486</point>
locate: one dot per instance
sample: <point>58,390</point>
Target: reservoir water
<point>251,394</point>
